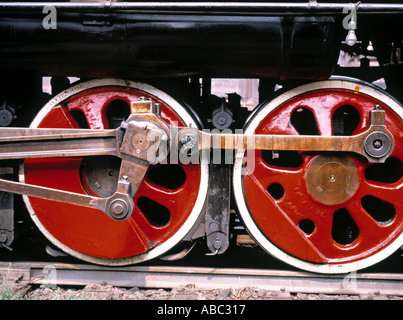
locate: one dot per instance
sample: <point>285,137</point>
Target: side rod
<point>376,143</point>
<point>20,143</point>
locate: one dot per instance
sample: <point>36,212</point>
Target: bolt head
<point>3,238</point>
<point>217,244</point>
<point>377,144</point>
<point>118,208</point>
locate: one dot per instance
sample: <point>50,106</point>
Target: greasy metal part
<point>120,205</point>
<point>36,143</point>
<point>147,133</point>
<point>218,209</point>
<point>362,144</point>
<point>104,204</point>
<point>377,144</point>
<point>145,142</point>
<point>332,179</point>
<point>101,175</point>
<point>30,143</point>
<point>20,143</point>
<point>222,117</point>
<point>7,114</point>
<point>133,170</point>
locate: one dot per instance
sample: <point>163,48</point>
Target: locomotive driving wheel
<point>166,204</point>
<point>323,212</point>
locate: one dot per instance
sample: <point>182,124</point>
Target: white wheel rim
<point>203,187</point>
<point>256,234</point>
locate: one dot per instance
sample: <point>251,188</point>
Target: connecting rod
<point>143,140</point>
<point>376,143</point>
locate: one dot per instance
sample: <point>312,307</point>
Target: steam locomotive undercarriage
<point>139,159</point>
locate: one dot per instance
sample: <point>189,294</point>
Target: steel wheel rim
<point>239,192</point>
<point>159,249</point>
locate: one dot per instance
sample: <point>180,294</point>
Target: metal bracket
<point>218,209</point>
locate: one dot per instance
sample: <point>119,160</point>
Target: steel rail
<point>49,273</point>
<point>286,8</point>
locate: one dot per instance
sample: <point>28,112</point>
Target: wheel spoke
<point>323,116</point>
<point>387,192</point>
<point>367,226</point>
<point>267,213</point>
<point>321,236</point>
<point>159,194</point>
<point>266,174</point>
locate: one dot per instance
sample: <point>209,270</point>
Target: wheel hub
<point>100,175</point>
<point>332,180</point>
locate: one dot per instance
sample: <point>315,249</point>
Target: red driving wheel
<point>168,200</point>
<point>323,212</point>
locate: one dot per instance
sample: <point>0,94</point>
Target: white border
<point>186,227</point>
<point>265,243</point>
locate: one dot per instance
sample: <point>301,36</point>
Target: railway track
<point>169,277</point>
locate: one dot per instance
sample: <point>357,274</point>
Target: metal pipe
<point>258,8</point>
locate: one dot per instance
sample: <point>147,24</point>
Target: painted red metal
<point>90,231</point>
<point>279,219</point>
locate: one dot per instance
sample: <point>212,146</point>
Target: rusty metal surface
<point>19,143</point>
<point>203,277</point>
<point>140,128</point>
<point>361,143</point>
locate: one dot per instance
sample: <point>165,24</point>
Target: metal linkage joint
<point>120,205</point>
